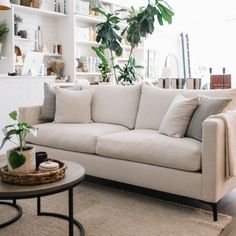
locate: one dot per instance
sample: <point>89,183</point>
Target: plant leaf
<point>13,115</point>
<point>33,130</point>
<point>16,159</point>
<point>99,10</point>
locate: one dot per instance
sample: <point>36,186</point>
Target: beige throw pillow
<point>177,118</point>
<point>73,106</point>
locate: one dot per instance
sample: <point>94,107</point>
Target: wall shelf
<point>90,74</point>
<point>24,39</point>
<point>37,11</point>
<point>2,58</point>
<point>52,55</point>
<point>89,19</point>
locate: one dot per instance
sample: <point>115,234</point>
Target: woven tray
<point>33,178</point>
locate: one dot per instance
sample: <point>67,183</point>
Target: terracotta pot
<point>29,166</point>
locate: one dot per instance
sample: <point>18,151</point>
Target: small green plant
<point>103,66</point>
<point>3,31</point>
<point>19,130</point>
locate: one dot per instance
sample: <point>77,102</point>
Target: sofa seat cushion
<point>72,137</point>
<point>151,147</point>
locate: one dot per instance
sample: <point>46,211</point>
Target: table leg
<point>38,205</point>
<point>18,214</point>
<point>69,218</point>
<point>71,212</point>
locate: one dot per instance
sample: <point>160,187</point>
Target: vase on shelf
<point>1,44</point>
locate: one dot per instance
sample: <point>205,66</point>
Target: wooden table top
<point>74,175</point>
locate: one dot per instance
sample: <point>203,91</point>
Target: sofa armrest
<point>31,114</point>
<point>214,183</point>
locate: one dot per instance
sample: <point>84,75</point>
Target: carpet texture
<point>108,212</point>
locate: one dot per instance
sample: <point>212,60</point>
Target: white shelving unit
<point>38,12</point>
<point>57,28</point>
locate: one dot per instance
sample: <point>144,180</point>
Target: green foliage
<point>141,22</point>
<point>127,74</point>
<point>3,31</point>
<point>103,66</point>
<point>16,159</point>
<point>107,32</point>
<point>19,129</point>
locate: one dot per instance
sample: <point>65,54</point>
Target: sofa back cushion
<point>154,103</point>
<point>115,104</point>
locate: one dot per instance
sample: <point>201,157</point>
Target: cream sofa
<point>123,143</point>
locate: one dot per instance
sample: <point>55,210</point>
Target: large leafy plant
<point>140,24</point>
<point>104,65</point>
<point>18,130</point>
<point>108,35</point>
<point>3,31</point>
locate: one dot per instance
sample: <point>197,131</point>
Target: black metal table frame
<point>69,218</point>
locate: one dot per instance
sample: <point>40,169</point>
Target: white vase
<point>29,166</point>
<point>1,48</point>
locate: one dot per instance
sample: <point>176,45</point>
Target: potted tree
<point>20,159</point>
<point>140,24</point>
<point>3,33</point>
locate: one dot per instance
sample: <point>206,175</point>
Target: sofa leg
<point>214,210</point>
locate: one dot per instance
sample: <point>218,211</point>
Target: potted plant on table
<point>20,159</point>
<point>3,33</point>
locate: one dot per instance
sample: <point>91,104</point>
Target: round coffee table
<point>74,175</point>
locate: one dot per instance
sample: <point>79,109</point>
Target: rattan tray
<point>34,178</point>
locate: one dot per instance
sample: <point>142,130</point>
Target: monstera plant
<point>140,24</point>
<point>22,157</point>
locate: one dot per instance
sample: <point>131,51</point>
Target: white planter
<point>29,166</point>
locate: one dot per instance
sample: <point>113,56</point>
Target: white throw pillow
<point>177,118</point>
<point>73,106</point>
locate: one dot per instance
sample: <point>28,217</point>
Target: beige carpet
<point>108,212</point>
